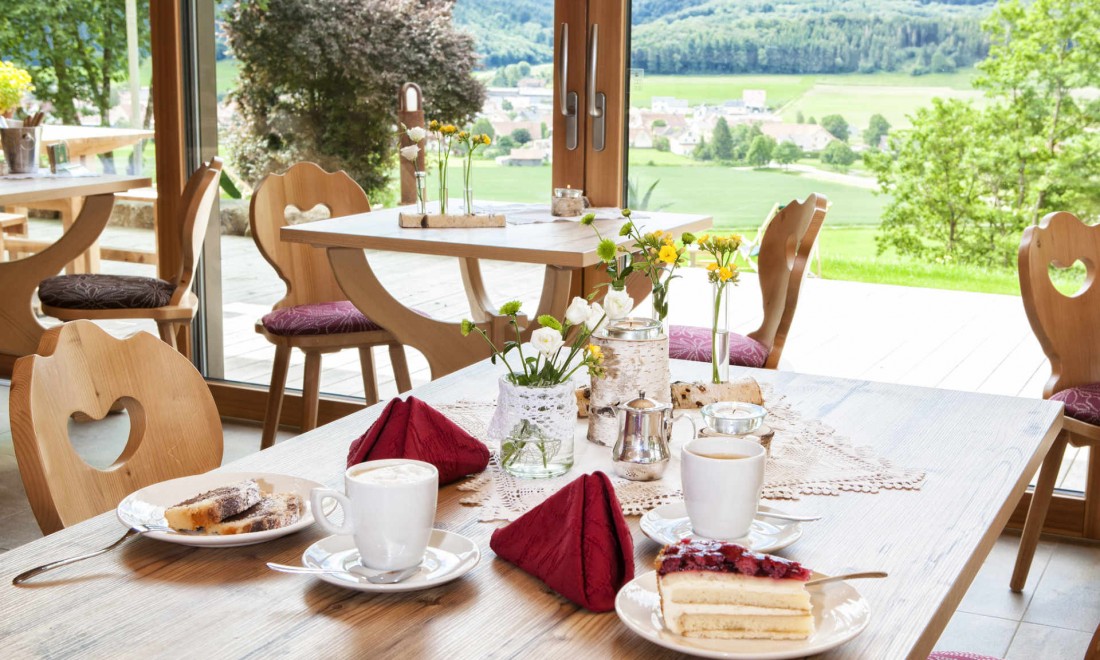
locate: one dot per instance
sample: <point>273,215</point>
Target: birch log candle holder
<point>636,359</point>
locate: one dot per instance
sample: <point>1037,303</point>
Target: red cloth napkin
<point>577,542</point>
<point>413,429</point>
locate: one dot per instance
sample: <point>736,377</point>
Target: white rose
<point>578,311</point>
<point>618,304</point>
<point>410,152</point>
<point>547,341</point>
<point>416,133</point>
<point>596,316</point>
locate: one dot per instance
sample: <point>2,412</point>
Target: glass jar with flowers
<point>721,272</point>
<point>411,153</point>
<point>536,414</point>
<point>617,303</point>
<point>444,137</point>
<point>471,141</point>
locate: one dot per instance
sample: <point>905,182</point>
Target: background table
<point>19,328</point>
<point>565,248</point>
<point>153,599</point>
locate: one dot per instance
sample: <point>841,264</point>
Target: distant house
<point>507,126</point>
<point>641,137</point>
<point>808,137</point>
<point>526,157</point>
<point>755,99</point>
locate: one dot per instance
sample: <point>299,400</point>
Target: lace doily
<point>807,458</point>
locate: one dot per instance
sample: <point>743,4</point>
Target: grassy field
<point>226,70</point>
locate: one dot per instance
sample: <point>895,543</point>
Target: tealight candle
<point>634,328</point>
<point>567,202</point>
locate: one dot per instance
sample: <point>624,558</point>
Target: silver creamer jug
<point>641,451</point>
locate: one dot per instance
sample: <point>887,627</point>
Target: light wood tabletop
<point>153,599</point>
<point>92,140</point>
<point>16,190</point>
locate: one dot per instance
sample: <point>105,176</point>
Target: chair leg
<point>167,333</point>
<point>370,378</point>
<point>400,367</point>
<point>183,338</point>
<point>1037,511</point>
<point>275,396</point>
<point>311,391</point>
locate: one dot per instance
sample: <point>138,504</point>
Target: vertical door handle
<point>567,99</point>
<point>597,102</point>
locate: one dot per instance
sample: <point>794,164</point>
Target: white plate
<point>146,506</point>
<point>669,524</point>
<point>840,614</point>
<point>449,556</point>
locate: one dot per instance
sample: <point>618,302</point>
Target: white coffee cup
<point>389,509</point>
<point>721,494</point>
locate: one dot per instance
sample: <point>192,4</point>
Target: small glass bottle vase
<point>421,192</point>
<point>720,333</point>
<point>659,300</point>
<point>535,427</point>
<point>468,201</point>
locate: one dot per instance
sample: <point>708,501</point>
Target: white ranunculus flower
<point>410,152</point>
<point>596,316</point>
<point>547,341</point>
<point>578,311</point>
<point>416,133</point>
<point>618,304</point>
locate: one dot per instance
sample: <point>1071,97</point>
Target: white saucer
<point>669,524</point>
<point>840,614</point>
<point>449,557</point>
<point>146,506</point>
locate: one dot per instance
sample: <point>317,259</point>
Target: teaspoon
<point>387,577</point>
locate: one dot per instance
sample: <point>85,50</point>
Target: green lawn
<point>226,71</point>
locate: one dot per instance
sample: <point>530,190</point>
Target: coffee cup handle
<point>694,426</point>
<point>317,499</point>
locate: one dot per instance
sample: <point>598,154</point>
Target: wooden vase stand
<point>445,221</point>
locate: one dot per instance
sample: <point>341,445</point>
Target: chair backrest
<point>175,430</point>
<point>1066,326</point>
<point>198,201</point>
<point>784,252</point>
<point>304,268</point>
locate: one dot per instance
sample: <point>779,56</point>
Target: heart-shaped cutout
<point>296,216</point>
<point>1072,280</point>
<point>111,438</point>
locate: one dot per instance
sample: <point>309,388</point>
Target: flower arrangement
<point>721,272</point>
<point>15,83</point>
<point>416,135</point>
<point>446,136</point>
<point>471,141</point>
<point>551,354</point>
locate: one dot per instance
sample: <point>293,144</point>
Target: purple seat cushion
<point>959,655</point>
<point>686,342</point>
<point>329,318</point>
<point>1082,403</point>
<point>99,291</point>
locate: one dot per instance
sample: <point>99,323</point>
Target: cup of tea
<point>389,509</point>
<point>722,479</point>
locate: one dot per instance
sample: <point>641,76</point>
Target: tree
<point>484,127</point>
<point>839,155</point>
<point>702,150</point>
<point>521,136</point>
<point>73,50</point>
<point>877,128</point>
<point>721,141</point>
<point>760,151</point>
<point>340,110</point>
<point>661,143</point>
<point>811,120</point>
<point>786,153</point>
<point>800,118</point>
<point>836,125</point>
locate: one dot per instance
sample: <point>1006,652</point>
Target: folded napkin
<point>577,542</point>
<point>412,429</point>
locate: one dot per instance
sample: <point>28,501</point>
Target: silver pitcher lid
<point>645,405</point>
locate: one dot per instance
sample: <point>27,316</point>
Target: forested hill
<point>754,36</point>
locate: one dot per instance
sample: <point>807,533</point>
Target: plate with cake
<point>669,524</point>
<point>223,509</point>
<point>720,600</point>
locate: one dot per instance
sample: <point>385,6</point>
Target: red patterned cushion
<point>687,342</point>
<point>1082,403</point>
<point>330,318</point>
<point>959,655</point>
<point>99,291</point>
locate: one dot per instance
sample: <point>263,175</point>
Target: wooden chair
<point>80,369</point>
<point>171,304</point>
<point>784,253</point>
<point>1068,329</point>
<point>1093,652</point>
<point>315,315</point>
<point>16,225</point>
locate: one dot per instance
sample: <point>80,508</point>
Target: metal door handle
<point>567,99</point>
<point>597,102</point>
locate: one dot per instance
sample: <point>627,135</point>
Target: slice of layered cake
<point>721,590</point>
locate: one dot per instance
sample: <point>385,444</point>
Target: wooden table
<point>84,141</point>
<point>153,599</point>
<point>19,328</point>
<point>565,248</point>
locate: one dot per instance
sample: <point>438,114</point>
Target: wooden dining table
<point>566,248</point>
<point>155,599</point>
<point>20,329</point>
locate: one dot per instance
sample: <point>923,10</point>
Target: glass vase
<point>535,427</point>
<point>468,201</point>
<point>421,192</point>
<point>659,310</point>
<point>443,200</point>
<point>720,333</point>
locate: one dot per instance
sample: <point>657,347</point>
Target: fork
<point>136,530</point>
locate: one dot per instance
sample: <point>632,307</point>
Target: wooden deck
<point>933,338</point>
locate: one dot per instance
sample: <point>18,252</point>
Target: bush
<point>661,143</point>
<point>839,155</point>
<point>319,81</point>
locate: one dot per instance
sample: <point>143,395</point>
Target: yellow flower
<point>712,266</point>
<point>447,129</point>
<point>596,352</point>
<point>703,239</point>
<point>668,254</point>
<point>463,135</point>
<point>486,140</point>
<point>724,273</point>
<point>433,125</point>
<point>668,240</point>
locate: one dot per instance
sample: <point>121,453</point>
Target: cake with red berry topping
<point>722,590</point>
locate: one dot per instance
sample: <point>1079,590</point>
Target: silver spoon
<point>387,577</point>
<point>786,516</point>
<point>846,576</point>
<point>136,531</point>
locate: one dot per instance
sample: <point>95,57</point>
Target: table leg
<point>19,328</point>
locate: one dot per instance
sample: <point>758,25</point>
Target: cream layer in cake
<point>735,606</point>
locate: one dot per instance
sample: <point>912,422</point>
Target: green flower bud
<point>548,321</point>
<point>625,229</point>
<point>607,250</point>
<point>588,218</point>
<point>467,327</point>
<point>687,238</point>
<point>510,308</point>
